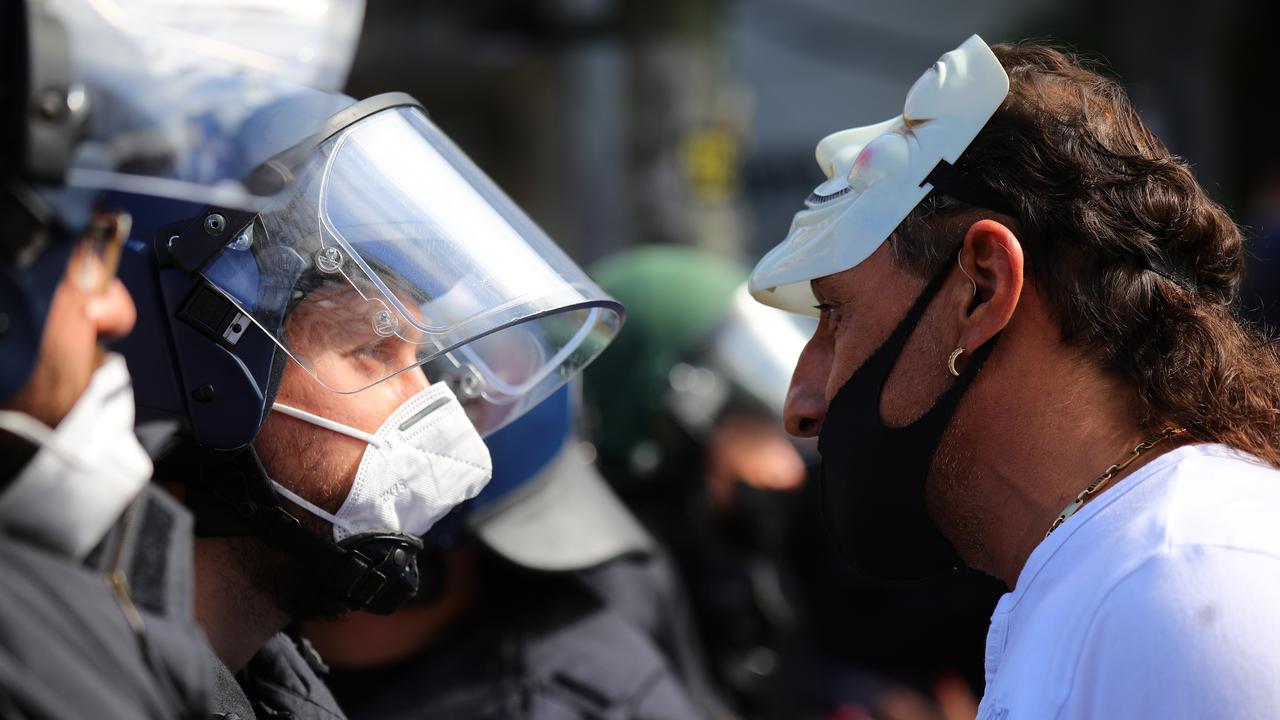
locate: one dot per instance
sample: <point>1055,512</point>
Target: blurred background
<point>615,122</point>
<point>618,123</point>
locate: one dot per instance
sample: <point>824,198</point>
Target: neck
<point>236,612</point>
<point>1020,451</point>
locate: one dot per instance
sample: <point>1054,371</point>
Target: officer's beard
<point>294,585</point>
<point>289,583</point>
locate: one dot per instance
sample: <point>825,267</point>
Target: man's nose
<point>112,312</point>
<point>806,405</point>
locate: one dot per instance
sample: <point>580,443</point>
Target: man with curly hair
<point>1027,364</point>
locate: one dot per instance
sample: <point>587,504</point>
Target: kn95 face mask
<point>85,472</point>
<point>425,459</point>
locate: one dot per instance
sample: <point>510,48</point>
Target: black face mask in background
<point>873,475</point>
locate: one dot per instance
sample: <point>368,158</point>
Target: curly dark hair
<point>1139,267</point>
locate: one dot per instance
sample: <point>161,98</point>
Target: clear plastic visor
<point>393,250</point>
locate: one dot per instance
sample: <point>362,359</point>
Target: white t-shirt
<point>1159,599</point>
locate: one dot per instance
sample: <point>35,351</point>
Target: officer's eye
<point>379,352</point>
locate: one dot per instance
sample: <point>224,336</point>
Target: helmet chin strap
<point>231,494</point>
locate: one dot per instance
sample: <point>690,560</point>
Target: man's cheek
<point>848,357</point>
<point>338,460</point>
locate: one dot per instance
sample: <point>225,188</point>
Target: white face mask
<point>86,471</point>
<point>426,458</point>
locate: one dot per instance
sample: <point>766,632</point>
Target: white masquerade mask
<point>877,175</point>
<point>86,471</point>
<point>425,459</point>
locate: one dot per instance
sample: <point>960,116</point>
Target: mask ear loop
<point>955,354</point>
<point>972,283</point>
<point>326,423</point>
<point>311,507</point>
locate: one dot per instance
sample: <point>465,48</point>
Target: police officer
<point>109,99</point>
<point>95,610</point>
<point>73,641</point>
<point>311,445</point>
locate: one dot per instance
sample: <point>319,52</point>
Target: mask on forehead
<point>878,173</point>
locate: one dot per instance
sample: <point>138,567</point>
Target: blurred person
<point>687,407</point>
<point>309,443</point>
<point>510,629</point>
<point>1026,363</point>
<point>95,607</point>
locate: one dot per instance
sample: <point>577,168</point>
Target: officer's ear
<point>991,259</point>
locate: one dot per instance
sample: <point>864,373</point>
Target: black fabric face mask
<point>873,475</point>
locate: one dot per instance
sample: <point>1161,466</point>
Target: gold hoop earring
<point>951,361</point>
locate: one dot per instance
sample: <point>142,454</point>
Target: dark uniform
<point>74,646</point>
<point>281,682</point>
<point>540,647</point>
<point>644,589</point>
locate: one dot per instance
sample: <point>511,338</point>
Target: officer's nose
<point>112,312</point>
<point>806,405</point>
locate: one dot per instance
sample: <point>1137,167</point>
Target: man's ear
<point>991,257</point>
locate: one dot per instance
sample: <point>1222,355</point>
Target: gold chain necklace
<point>1088,493</point>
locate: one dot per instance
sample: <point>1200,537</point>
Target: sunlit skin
<point>81,318</point>
<point>330,329</point>
<point>1037,425</point>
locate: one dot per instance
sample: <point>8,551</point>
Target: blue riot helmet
<point>547,508</point>
<point>210,389</point>
<point>397,250</point>
<point>107,95</point>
